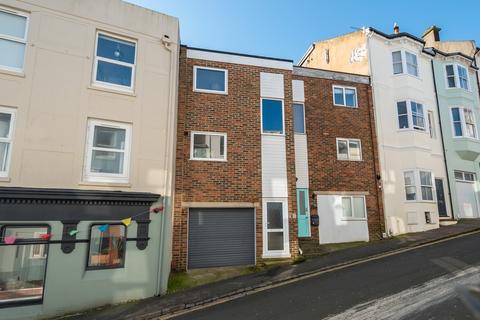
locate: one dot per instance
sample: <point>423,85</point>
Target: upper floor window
<point>108,151</point>
<point>345,96</point>
<point>272,116</point>
<point>299,118</point>
<point>418,182</point>
<point>7,119</point>
<point>13,39</point>
<point>107,246</point>
<point>463,122</point>
<point>411,115</point>
<point>115,62</point>
<point>405,62</point>
<point>349,149</point>
<point>465,176</point>
<point>211,80</point>
<point>208,146</point>
<point>457,76</point>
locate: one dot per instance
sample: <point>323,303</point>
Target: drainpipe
<point>443,142</point>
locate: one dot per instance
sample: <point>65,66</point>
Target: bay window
<point>463,123</point>
<point>457,76</point>
<point>418,185</point>
<point>411,114</point>
<point>405,62</point>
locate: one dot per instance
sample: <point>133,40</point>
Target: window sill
<point>408,75</point>
<point>125,92</point>
<point>342,106</point>
<point>105,184</point>
<point>209,160</point>
<point>413,130</point>
<point>350,160</point>
<point>5,179</point>
<point>276,255</point>
<point>421,201</point>
<point>273,134</point>
<point>223,93</point>
<point>19,74</point>
<point>354,219</point>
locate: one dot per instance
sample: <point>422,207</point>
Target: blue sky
<point>285,29</point>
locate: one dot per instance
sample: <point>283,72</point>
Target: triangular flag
<point>73,232</point>
<point>103,228</point>
<point>45,236</point>
<point>127,221</point>
<point>9,239</point>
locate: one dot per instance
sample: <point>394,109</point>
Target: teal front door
<point>303,213</point>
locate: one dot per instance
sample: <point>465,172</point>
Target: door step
<point>445,223</point>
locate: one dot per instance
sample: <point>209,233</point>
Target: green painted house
<point>456,83</point>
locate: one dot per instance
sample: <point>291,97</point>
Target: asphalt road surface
<point>419,284</point>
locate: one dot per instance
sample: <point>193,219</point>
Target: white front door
<point>467,200</point>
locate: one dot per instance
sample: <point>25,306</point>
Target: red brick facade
<point>239,179</point>
<point>326,122</point>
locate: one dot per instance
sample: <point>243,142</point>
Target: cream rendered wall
<point>54,96</point>
<point>403,150</point>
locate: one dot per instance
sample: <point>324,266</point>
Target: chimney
<point>432,33</point>
<point>396,28</point>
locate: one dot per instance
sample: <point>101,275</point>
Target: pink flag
<point>9,239</point>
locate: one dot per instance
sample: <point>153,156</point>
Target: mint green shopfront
<point>459,108</point>
<point>63,251</point>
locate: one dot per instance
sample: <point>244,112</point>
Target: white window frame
<point>9,139</point>
<point>43,253</point>
<point>304,121</point>
<point>192,139</point>
<point>285,253</point>
<point>349,157</point>
<point>418,185</point>
<point>344,96</point>
<point>410,116</point>
<point>225,71</point>
<point>89,176</point>
<point>283,117</point>
<point>353,218</point>
<point>15,39</point>
<point>109,85</point>
<point>431,124</point>
<point>463,123</point>
<point>404,63</point>
<point>456,76</point>
<point>463,176</point>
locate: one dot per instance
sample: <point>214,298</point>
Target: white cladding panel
<point>298,91</point>
<point>333,227</point>
<point>274,168</point>
<point>301,161</point>
<point>271,85</point>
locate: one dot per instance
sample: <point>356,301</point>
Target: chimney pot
<point>396,28</point>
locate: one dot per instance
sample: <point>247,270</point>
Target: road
<point>418,284</point>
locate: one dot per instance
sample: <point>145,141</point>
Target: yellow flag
<point>127,221</point>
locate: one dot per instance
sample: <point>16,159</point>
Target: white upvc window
<point>345,96</point>
<point>210,80</point>
<point>418,185</point>
<point>208,146</point>
<point>115,60</point>
<point>7,125</point>
<point>465,176</point>
<point>354,208</point>
<point>405,62</point>
<point>349,149</point>
<point>463,123</point>
<point>272,114</point>
<point>456,76</point>
<point>275,228</point>
<point>411,114</point>
<point>108,151</point>
<point>13,39</point>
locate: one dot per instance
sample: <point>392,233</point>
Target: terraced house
<point>265,150</point>
<point>87,127</point>
<point>413,173</point>
<point>456,82</point>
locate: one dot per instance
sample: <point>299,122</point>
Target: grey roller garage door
<point>221,237</point>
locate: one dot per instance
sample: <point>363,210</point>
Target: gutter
<point>443,142</point>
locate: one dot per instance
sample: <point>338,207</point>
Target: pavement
<point>277,280</point>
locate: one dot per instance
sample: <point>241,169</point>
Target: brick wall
<point>326,122</point>
<point>239,179</point>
